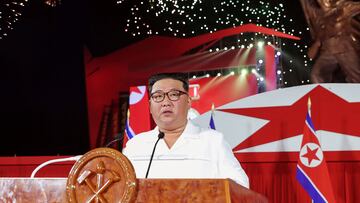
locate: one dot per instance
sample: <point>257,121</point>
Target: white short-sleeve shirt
<point>198,153</point>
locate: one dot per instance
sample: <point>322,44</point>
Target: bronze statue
<point>335,29</point>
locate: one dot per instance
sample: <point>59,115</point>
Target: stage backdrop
<point>265,131</point>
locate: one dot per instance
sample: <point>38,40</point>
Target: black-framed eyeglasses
<point>173,95</point>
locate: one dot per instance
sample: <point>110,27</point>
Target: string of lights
<point>10,13</point>
<point>184,18</point>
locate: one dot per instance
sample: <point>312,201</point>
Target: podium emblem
<point>102,175</point>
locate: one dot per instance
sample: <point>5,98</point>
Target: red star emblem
<point>289,120</point>
<point>311,154</point>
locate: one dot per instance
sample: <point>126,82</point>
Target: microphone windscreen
<point>161,135</point>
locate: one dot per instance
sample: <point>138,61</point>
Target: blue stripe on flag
<point>309,186</point>
<point>309,121</point>
<point>212,123</point>
<point>129,132</point>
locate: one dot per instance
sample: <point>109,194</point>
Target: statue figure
<point>335,31</point>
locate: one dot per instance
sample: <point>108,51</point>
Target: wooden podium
<point>105,175</point>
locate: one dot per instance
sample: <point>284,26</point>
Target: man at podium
<point>180,148</point>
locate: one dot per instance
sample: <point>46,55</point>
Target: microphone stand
<point>160,136</point>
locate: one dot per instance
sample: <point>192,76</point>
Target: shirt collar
<point>191,131</point>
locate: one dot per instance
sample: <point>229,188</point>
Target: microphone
<point>73,158</point>
<point>161,135</point>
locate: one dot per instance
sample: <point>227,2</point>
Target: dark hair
<point>176,76</point>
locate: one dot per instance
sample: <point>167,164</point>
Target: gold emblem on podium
<point>102,175</point>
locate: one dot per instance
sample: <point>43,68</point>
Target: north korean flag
<point>312,171</point>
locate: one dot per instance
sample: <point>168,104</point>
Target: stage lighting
<point>244,71</point>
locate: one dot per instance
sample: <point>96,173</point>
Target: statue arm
<point>355,6</point>
<point>309,12</point>
<point>352,10</point>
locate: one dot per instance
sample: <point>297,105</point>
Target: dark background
<point>43,101</point>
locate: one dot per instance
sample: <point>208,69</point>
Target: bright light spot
<point>244,71</point>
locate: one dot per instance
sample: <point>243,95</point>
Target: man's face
<point>167,114</point>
